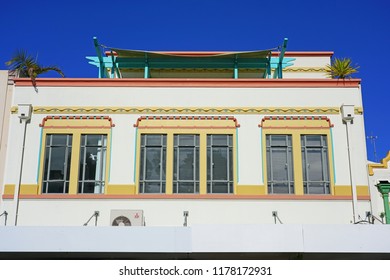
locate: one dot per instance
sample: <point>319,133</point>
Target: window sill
<point>188,196</point>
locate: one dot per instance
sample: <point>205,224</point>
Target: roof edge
<point>155,82</point>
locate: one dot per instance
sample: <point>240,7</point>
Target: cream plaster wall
<point>75,212</point>
<point>169,212</point>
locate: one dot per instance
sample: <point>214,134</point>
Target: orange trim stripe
<point>205,53</point>
<point>207,83</point>
<point>186,127</point>
<point>186,118</point>
<point>78,127</point>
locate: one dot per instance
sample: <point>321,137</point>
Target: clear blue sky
<point>60,33</point>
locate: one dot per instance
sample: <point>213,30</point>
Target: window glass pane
<point>184,187</point>
<point>96,140</point>
<point>55,187</point>
<point>56,170</point>
<point>220,187</point>
<point>220,163</point>
<point>58,140</point>
<point>92,163</point>
<point>209,164</point>
<point>153,140</point>
<point>315,164</point>
<point>279,164</point>
<point>153,163</point>
<point>281,188</point>
<point>186,163</point>
<point>186,140</point>
<point>57,166</point>
<point>278,140</point>
<point>220,140</point>
<point>197,163</point>
<point>313,140</point>
<point>152,187</point>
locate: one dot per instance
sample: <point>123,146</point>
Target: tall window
<point>92,165</point>
<point>219,163</point>
<point>315,164</point>
<point>58,152</point>
<point>186,163</point>
<point>153,163</point>
<point>280,164</point>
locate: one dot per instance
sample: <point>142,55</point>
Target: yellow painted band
<point>120,189</point>
<point>346,190</point>
<point>25,189</point>
<point>251,190</point>
<point>382,165</point>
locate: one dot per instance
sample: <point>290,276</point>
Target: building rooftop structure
<point>203,140</point>
<point>120,63</point>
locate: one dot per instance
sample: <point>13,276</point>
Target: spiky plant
<point>341,68</point>
<point>24,65</point>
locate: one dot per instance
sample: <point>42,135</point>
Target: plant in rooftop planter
<point>24,66</point>
<point>341,68</point>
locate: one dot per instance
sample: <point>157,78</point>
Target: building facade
<point>192,138</point>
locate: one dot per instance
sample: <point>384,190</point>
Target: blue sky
<point>61,34</point>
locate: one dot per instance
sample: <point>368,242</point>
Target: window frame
<point>200,125</point>
<point>324,151</point>
<point>143,165</point>
<point>46,180</point>
<point>75,126</point>
<point>297,126</point>
<point>103,162</point>
<point>177,147</point>
<point>211,182</point>
<point>288,149</point>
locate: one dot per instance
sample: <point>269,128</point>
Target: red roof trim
<point>207,83</point>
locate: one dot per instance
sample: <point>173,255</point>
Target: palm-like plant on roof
<point>24,66</point>
<point>341,68</point>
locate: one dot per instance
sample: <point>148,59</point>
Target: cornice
<point>188,110</point>
<point>202,83</point>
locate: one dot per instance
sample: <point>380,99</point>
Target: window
<point>73,157</point>
<point>92,166</point>
<point>186,163</point>
<point>179,155</point>
<point>219,163</point>
<point>153,163</point>
<point>58,153</point>
<point>280,171</point>
<point>315,164</point>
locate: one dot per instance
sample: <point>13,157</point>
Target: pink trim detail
<point>76,118</point>
<point>296,118</point>
<point>191,118</point>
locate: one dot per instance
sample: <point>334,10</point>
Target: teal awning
<point>122,60</point>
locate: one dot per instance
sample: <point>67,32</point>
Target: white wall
<point>169,212</point>
<point>46,212</point>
